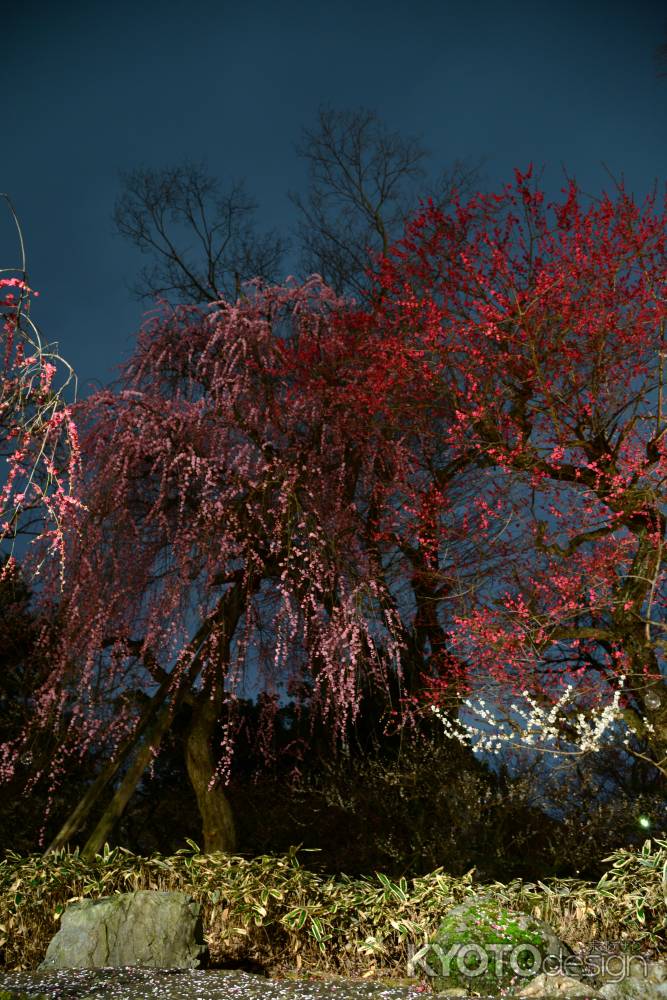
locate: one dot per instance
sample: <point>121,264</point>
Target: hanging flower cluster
<point>37,431</point>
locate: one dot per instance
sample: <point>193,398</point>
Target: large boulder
<point>617,977</point>
<point>159,930</point>
<point>482,946</point>
<point>637,980</point>
<point>558,987</point>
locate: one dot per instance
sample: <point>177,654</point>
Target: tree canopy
<point>456,483</point>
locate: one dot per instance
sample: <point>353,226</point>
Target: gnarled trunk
<point>156,720</point>
<point>147,727</point>
<point>214,808</point>
<point>102,832</point>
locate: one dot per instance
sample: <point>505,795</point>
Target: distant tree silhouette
<point>160,211</point>
<point>364,182</point>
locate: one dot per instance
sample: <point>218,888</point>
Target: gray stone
<point>646,981</point>
<point>158,930</point>
<point>564,987</point>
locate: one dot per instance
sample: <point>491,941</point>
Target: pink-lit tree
<point>232,483</point>
<point>38,437</point>
<point>38,496</point>
<point>248,516</point>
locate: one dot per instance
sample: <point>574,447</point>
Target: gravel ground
<point>199,984</point>
<point>196,984</point>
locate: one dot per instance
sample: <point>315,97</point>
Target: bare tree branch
<point>161,211</point>
<point>364,182</point>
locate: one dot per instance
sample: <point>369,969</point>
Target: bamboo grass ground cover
<point>276,913</point>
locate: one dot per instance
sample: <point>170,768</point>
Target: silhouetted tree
<point>364,182</point>
<point>161,211</point>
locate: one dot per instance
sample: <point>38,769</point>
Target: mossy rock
<point>484,947</point>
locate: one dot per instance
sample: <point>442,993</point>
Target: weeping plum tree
<point>38,495</point>
<point>231,529</point>
<point>543,329</point>
<point>38,437</point>
<point>362,184</point>
<point>248,517</point>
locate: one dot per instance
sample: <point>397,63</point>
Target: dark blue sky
<point>93,88</point>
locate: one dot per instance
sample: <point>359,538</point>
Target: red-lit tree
<point>543,330</point>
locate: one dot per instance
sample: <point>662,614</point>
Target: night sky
<point>91,89</point>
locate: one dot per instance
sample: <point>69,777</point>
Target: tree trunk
<point>114,810</point>
<point>230,600</point>
<point>214,808</point>
<point>80,813</point>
